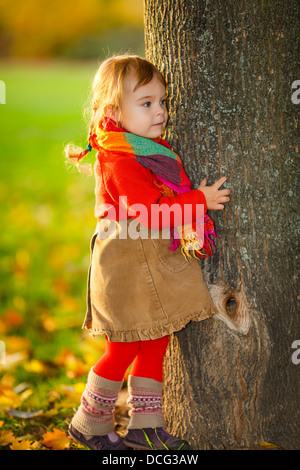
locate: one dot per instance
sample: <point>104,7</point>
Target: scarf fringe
<point>204,252</point>
<point>192,246</point>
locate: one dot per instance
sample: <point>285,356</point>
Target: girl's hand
<point>215,197</point>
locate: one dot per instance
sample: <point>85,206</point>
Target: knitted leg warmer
<point>95,415</point>
<point>145,398</point>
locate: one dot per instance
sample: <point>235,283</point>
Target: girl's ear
<point>108,111</point>
<point>111,113</point>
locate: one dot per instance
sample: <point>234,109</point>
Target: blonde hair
<point>107,95</point>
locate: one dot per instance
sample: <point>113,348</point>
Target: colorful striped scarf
<point>157,156</point>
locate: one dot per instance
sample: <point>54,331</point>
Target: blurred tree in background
<point>80,29</point>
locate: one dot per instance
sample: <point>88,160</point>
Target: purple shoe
<point>108,442</point>
<point>154,438</point>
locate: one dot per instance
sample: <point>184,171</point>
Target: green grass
<point>47,220</point>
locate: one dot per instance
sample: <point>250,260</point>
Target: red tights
<point>146,358</point>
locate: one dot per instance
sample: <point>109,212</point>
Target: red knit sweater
<point>118,174</point>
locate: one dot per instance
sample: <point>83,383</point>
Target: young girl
<point>144,279</point>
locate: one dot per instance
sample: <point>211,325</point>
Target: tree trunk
<point>233,381</point>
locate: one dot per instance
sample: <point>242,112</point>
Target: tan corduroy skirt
<point>137,288</point>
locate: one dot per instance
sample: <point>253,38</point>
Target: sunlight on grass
<point>47,222</point>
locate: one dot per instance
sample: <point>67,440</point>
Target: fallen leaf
<point>79,387</point>
<point>74,391</point>
<point>79,446</point>
<point>74,366</point>
<point>23,414</point>
<point>35,445</point>
<point>21,387</point>
<point>57,440</point>
<point>268,445</point>
<point>36,366</point>
<point>12,319</point>
<point>24,395</point>
<point>6,437</point>
<point>7,381</point>
<point>8,398</point>
<point>20,445</point>
<point>17,344</point>
<point>49,324</point>
<point>50,413</point>
<point>12,359</point>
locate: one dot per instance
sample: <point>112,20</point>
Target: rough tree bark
<point>230,382</point>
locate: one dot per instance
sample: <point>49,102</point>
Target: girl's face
<point>144,110</point>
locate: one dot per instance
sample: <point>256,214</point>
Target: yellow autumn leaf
<point>268,445</point>
<point>79,387</point>
<point>11,319</point>
<point>57,440</point>
<point>7,381</point>
<point>73,391</point>
<point>24,395</point>
<point>17,344</point>
<point>71,395</point>
<point>74,366</point>
<point>35,445</point>
<point>6,437</point>
<point>36,366</point>
<point>50,413</point>
<point>8,398</point>
<point>20,445</point>
<point>49,324</point>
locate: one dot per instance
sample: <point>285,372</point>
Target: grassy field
<point>46,224</point>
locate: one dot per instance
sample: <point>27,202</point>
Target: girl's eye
<point>163,102</point>
<point>147,105</point>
